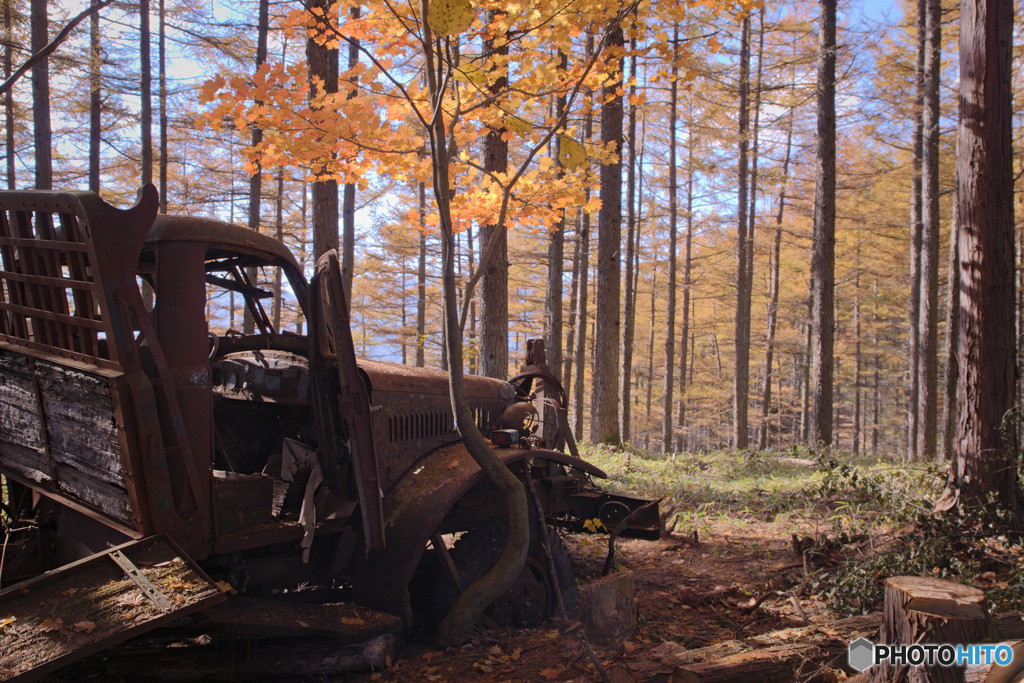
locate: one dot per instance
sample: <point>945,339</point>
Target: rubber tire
<point>476,551</point>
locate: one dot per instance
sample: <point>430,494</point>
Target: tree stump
<point>610,608</point>
<point>920,609</point>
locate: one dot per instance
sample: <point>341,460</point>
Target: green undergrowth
<point>861,520</point>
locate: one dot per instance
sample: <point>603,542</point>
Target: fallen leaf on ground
<point>51,624</point>
<point>552,674</point>
<point>225,587</point>
<point>6,621</point>
<point>84,627</point>
<point>353,621</point>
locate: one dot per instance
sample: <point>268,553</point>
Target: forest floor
<point>755,543</point>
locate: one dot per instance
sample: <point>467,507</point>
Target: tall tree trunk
<point>876,401</point>
<point>673,230</point>
<point>95,97</point>
<point>741,328</point>
<point>474,347</point>
<point>650,357</point>
<point>984,457</point>
<point>279,234</point>
<point>421,283</point>
<point>856,353</point>
<point>687,267</point>
<point>824,230</point>
<point>629,295</point>
<point>12,182</point>
<point>748,285</point>
<point>583,270</point>
<point>556,258</point>
<point>146,96</point>
<point>773,302</point>
<point>348,210</point>
<point>43,135</point>
<point>805,370</point>
<point>162,95</point>
<point>916,228</point>
<point>929,318</point>
<point>604,408</point>
<point>323,65</point>
<point>494,283</point>
<point>580,353</point>
<point>952,340</point>
<point>570,332</point>
<point>256,179</point>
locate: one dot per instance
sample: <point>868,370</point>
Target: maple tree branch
<point>492,243</point>
<point>52,45</point>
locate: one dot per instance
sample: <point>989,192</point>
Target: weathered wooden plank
<point>28,463</point>
<point>113,500</point>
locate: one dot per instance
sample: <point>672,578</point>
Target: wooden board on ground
<point>89,605</point>
<point>342,622</point>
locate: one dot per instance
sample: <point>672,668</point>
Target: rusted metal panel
<point>353,400</point>
<point>89,605</point>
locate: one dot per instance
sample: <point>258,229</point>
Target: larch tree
<point>985,448</point>
<point>741,326</point>
<point>43,134</point>
<point>928,324</point>
<point>604,404</point>
<point>673,231</point>
<point>823,256</point>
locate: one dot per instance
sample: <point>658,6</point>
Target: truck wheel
<point>531,599</point>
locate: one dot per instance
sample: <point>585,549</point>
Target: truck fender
<point>415,507</point>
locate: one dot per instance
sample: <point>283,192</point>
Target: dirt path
<point>690,594</point>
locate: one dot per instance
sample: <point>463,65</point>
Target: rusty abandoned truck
<point>152,463</point>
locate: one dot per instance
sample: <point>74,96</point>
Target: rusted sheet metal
<point>413,380</point>
<point>226,239</point>
<point>353,400</point>
<point>413,509</point>
<point>90,605</point>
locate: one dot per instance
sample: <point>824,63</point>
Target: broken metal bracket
<point>147,588</point>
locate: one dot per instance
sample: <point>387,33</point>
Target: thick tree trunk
<point>162,96</point>
<point>604,421</point>
<point>629,295</point>
<point>323,65</point>
<point>95,98</point>
<point>824,230</point>
<point>916,230</point>
<point>741,337</point>
<point>673,238</point>
<point>928,326</point>
<point>984,458</point>
<point>43,136</point>
<point>146,94</point>
<point>12,182</point>
<point>805,368</point>
<point>494,283</point>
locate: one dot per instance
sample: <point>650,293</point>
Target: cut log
<point>777,663</point>
<point>995,673</point>
<point>921,609</point>
<point>610,607</point>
